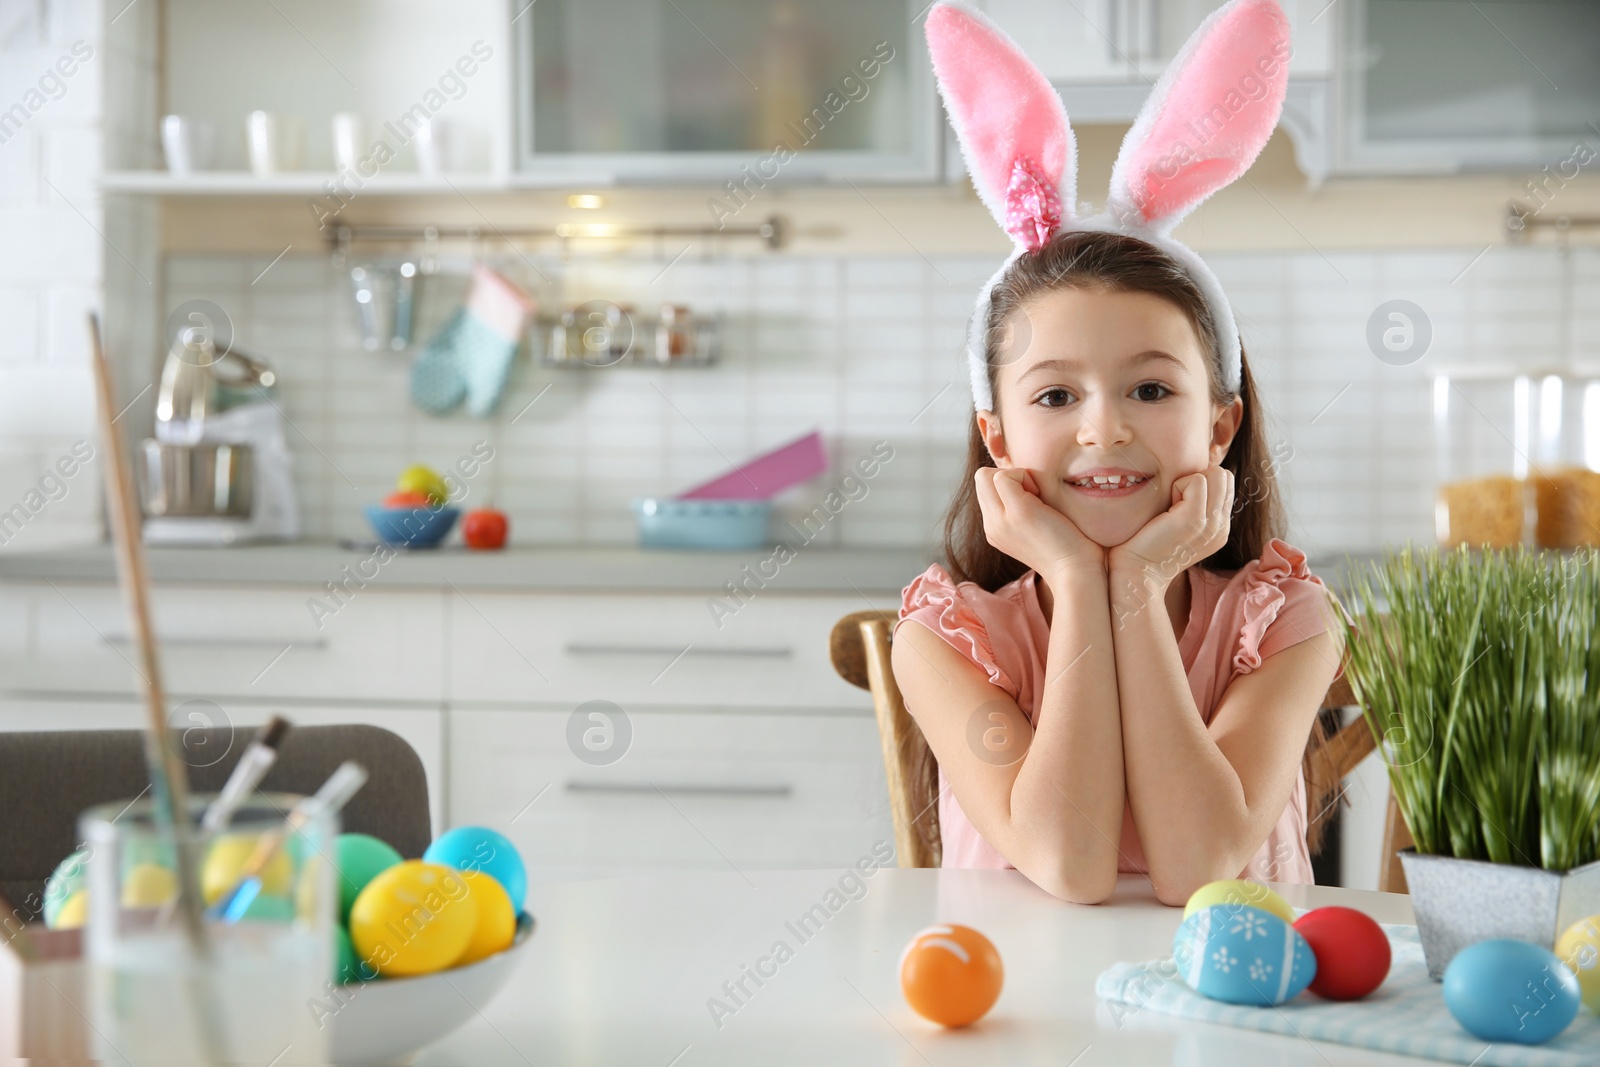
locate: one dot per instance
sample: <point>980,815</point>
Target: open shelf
<point>313,183</point>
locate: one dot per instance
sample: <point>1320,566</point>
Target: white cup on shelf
<point>433,142</point>
<point>348,138</point>
<point>274,141</point>
<point>187,144</point>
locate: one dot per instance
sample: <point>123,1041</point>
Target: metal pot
<point>1461,902</point>
<point>205,480</point>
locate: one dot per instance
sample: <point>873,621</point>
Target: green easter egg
<point>63,882</point>
<point>361,858</point>
<point>346,968</point>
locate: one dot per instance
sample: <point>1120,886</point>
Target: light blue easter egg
<point>1242,955</point>
<point>1504,990</point>
<point>477,848</point>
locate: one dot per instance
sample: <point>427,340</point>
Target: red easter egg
<point>1352,952</point>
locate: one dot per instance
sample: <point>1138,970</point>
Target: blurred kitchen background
<point>617,160</point>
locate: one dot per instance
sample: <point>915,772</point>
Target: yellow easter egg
<point>1579,949</point>
<point>413,918</point>
<point>73,912</point>
<point>225,860</point>
<point>148,885</point>
<point>1239,891</point>
<point>497,922</point>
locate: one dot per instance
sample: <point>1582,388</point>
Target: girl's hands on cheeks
<point>1195,526</point>
<point>1019,523</point>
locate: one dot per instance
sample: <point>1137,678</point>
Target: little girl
<point>1121,666</point>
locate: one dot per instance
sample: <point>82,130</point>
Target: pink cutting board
<point>767,475</point>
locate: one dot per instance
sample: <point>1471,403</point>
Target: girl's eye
<point>1151,391</point>
<point>1053,398</point>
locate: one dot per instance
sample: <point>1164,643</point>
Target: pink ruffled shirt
<point>1235,622</point>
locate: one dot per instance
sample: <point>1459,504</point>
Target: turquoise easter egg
<point>477,848</point>
<point>1242,955</point>
<point>1505,990</point>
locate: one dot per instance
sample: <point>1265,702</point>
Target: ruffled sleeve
<point>1283,604</point>
<point>951,610</point>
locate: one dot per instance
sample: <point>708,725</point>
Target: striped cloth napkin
<point>1405,1015</point>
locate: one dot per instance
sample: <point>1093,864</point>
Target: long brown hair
<point>1116,263</point>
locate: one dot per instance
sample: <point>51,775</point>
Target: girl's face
<point>1111,385</point>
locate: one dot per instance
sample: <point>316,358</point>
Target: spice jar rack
<point>601,333</point>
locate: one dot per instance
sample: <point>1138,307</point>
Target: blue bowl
<point>422,527</point>
<point>724,524</point>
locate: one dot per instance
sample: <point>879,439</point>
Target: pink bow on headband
<point>1033,210</point>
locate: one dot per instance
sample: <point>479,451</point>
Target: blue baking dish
<point>714,524</point>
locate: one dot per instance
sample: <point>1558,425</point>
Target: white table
<point>621,970</point>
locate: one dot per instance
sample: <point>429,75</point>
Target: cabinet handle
<point>225,642</point>
<point>582,649</point>
<point>682,789</point>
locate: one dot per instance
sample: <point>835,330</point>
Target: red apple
<point>485,528</point>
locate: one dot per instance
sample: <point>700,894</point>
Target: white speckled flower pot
<point>1461,902</point>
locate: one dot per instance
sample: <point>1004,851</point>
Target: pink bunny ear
<point>1208,117</point>
<point>1012,128</point>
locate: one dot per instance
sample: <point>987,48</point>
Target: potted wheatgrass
<point>1479,673</point>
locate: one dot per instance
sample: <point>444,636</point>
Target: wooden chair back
<point>859,649</point>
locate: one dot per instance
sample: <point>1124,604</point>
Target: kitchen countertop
<point>879,571</point>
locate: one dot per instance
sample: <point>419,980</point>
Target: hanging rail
<point>1520,218</point>
<point>773,231</point>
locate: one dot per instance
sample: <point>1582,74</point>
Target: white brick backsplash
<point>21,315</point>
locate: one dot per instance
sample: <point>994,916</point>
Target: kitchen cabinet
<point>1439,86</point>
<point>747,93</point>
<point>744,748</point>
<point>728,789</point>
<point>245,641</point>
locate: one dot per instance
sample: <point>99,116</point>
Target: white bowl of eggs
<point>392,1019</point>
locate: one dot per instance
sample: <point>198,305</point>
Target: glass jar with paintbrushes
<point>271,899</point>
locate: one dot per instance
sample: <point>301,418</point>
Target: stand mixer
<point>218,470</point>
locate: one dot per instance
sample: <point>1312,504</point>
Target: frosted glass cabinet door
<point>696,89</point>
<point>1438,85</point>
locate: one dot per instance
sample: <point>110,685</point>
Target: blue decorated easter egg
<point>1242,955</point>
<point>478,848</point>
<point>1505,990</point>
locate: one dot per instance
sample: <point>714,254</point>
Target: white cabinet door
<point>691,790</point>
<point>423,730</point>
<point>249,641</point>
<point>521,649</point>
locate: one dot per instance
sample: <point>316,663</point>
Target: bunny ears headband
<point>1204,123</point>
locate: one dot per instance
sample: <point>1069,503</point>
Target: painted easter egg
<point>225,861</point>
<point>64,881</point>
<point>73,912</point>
<point>951,974</point>
<point>497,923</point>
<point>1579,949</point>
<point>361,858</point>
<point>148,885</point>
<point>414,918</point>
<point>478,848</point>
<point>1352,951</point>
<point>1505,990</point>
<point>1242,955</point>
<point>1239,891</point>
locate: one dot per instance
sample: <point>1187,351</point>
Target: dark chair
<point>48,778</point>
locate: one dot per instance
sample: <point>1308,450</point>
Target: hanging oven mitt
<point>471,357</point>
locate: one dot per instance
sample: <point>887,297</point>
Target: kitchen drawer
<point>423,730</point>
<point>694,790</point>
<point>222,641</point>
<point>654,649</point>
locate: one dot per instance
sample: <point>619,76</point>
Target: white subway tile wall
<point>867,350</point>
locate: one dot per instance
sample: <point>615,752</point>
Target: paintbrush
<point>334,794</point>
<point>169,783</point>
<point>253,766</point>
